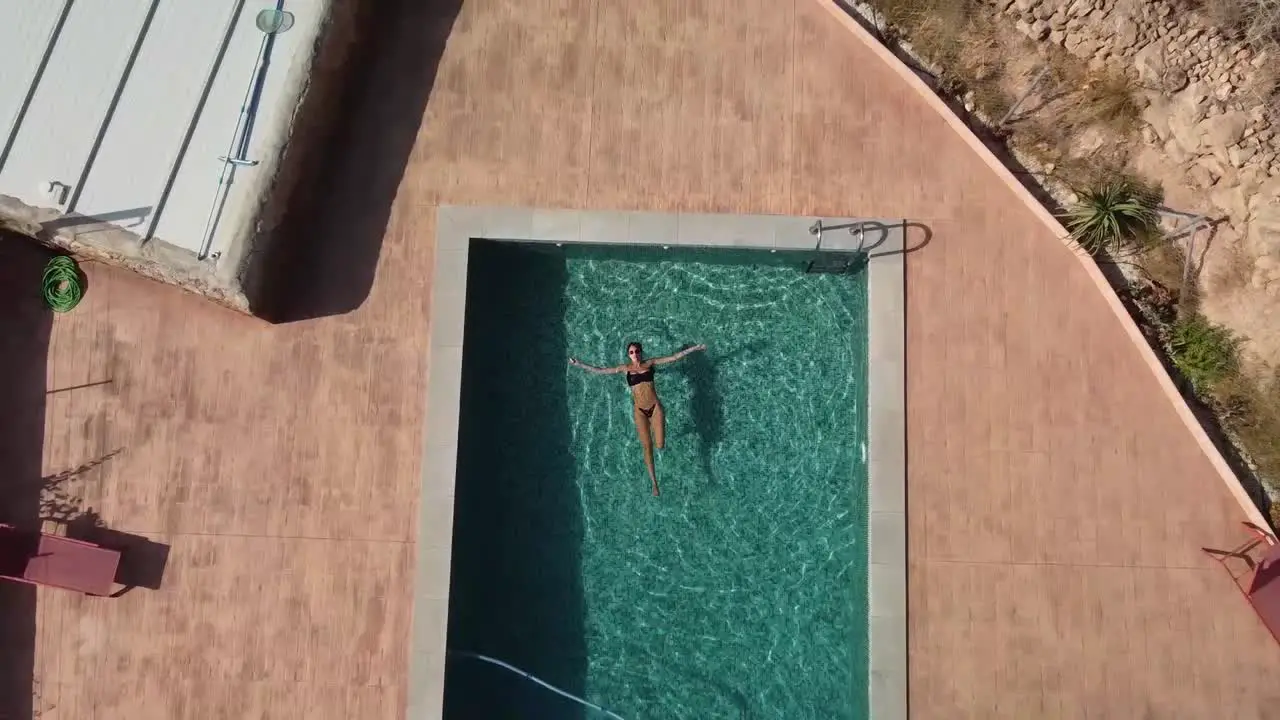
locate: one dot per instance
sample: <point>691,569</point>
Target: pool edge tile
<point>888,537</point>
<point>652,228</point>
<point>448,297</point>
<point>604,227</point>
<point>427,660</point>
<point>886,471</point>
<point>888,669</point>
<point>560,226</point>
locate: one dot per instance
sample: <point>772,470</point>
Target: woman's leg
<point>646,441</point>
<point>659,426</point>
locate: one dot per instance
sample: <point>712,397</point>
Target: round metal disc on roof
<point>271,21</point>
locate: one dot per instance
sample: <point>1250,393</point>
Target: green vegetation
<point>1205,354</point>
<point>1116,216</point>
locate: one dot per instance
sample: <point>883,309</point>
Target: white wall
<point>156,106</point>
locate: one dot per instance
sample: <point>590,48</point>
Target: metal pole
<point>1025,94</point>
<point>176,161</point>
<point>230,161</point>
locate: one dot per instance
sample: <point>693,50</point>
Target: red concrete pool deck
<point>1057,503</point>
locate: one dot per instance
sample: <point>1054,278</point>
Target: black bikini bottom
<point>648,412</point>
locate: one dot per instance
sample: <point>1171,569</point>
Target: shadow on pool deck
<point>516,590</point>
<point>325,252</point>
<point>25,327</point>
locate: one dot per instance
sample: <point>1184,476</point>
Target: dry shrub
<point>936,29</point>
<point>910,14</point>
<point>1107,98</point>
<point>1256,22</point>
<point>1250,409</point>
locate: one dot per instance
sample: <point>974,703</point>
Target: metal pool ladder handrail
<point>527,676</point>
<point>816,229</point>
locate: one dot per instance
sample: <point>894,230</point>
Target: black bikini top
<point>640,377</point>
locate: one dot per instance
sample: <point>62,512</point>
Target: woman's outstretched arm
<point>596,370</point>
<point>674,357</point>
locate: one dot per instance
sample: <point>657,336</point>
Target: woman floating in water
<point>650,419</point>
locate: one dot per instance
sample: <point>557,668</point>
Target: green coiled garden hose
<point>62,285</point>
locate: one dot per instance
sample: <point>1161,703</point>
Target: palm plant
<point>1112,217</point>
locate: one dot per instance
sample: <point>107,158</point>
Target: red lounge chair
<point>56,561</point>
<point>1260,579</point>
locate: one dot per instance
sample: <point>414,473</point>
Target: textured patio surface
<point>1056,504</point>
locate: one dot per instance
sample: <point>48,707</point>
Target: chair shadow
<point>321,258</point>
<point>25,329</point>
<point>142,560</point>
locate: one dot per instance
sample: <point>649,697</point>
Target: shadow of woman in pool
<point>706,404</point>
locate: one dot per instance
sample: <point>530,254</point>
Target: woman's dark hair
<point>636,345</point>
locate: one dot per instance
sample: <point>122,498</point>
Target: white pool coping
<point>883,240</point>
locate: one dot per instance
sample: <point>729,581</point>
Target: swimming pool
<point>743,590</point>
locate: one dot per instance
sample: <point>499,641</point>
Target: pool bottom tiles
<point>742,591</point>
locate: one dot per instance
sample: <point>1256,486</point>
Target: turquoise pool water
<point>742,591</point>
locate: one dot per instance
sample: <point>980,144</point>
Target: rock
<point>1264,230</point>
<point>1156,115</point>
<point>1089,141</point>
<point>1023,6</point>
<point>1223,91</point>
<point>1240,155</point>
<point>1039,30</point>
<point>1056,37</point>
<point>1187,110</point>
<point>1150,64</point>
<point>1225,130</point>
<point>1200,177</point>
<point>1175,79</point>
<point>1230,200</point>
<point>1216,168</point>
<point>1126,32</point>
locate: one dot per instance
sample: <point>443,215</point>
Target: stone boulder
<point>1186,110</point>
<point>1223,131</point>
<point>1150,64</point>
